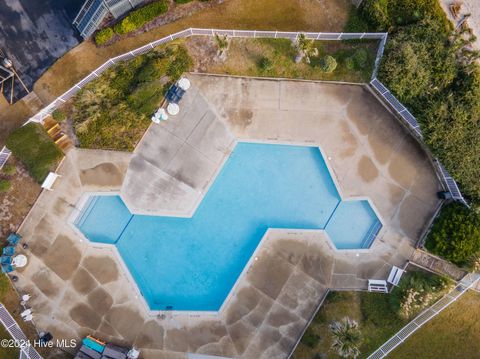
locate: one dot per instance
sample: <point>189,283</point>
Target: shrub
<point>360,57</point>
<point>328,64</point>
<point>455,234</point>
<point>416,291</point>
<point>59,115</point>
<point>113,111</point>
<point>103,35</point>
<point>310,338</point>
<point>9,170</point>
<point>4,185</point>
<point>181,63</point>
<point>140,17</point>
<point>32,145</point>
<point>182,1</point>
<point>350,63</point>
<point>265,64</point>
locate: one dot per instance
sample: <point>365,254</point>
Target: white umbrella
<point>173,109</point>
<point>19,261</point>
<point>184,83</point>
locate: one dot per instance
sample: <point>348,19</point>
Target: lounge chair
<point>8,251</point>
<point>6,260</point>
<point>7,268</point>
<point>13,238</point>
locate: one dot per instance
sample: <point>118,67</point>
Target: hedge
<point>32,145</point>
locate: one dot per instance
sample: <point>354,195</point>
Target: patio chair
<point>6,260</point>
<point>8,251</point>
<point>13,238</point>
<point>7,268</point>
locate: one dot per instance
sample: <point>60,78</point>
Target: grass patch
<point>32,145</point>
<point>454,333</point>
<point>113,112</point>
<point>5,352</point>
<point>276,58</point>
<point>379,315</point>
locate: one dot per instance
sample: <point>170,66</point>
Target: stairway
<point>60,138</point>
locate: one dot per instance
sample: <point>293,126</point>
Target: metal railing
<point>21,340</point>
<point>466,283</point>
<point>326,36</point>
<point>412,123</point>
<point>4,155</point>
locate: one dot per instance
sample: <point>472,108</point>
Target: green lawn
<point>454,333</point>
<point>276,58</point>
<point>379,315</point>
<point>32,145</point>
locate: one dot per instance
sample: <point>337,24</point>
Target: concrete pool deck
<point>79,288</point>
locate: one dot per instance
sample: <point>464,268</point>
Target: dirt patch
<point>105,174</point>
<point>44,282</point>
<point>17,201</point>
<point>103,268</point>
<point>367,169</point>
<point>63,257</point>
<point>83,282</point>
<point>85,316</point>
<point>240,118</point>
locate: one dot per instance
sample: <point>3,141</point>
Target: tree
<point>328,64</point>
<point>455,234</point>
<point>305,49</point>
<point>223,43</point>
<point>346,337</point>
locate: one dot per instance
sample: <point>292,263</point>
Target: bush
<point>59,115</point>
<point>181,63</point>
<point>32,145</point>
<point>416,291</point>
<point>360,57</point>
<point>310,338</point>
<point>265,64</point>
<point>103,35</point>
<point>9,170</point>
<point>328,64</point>
<point>140,17</point>
<point>455,234</point>
<point>4,185</point>
<point>182,1</point>
<point>350,63</point>
<point>427,68</point>
<point>113,111</point>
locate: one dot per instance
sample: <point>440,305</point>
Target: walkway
<point>437,265</point>
<point>466,283</point>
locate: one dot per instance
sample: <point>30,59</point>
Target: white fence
<point>412,123</point>
<point>327,36</point>
<point>466,283</point>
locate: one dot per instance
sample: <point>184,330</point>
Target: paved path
<point>437,265</point>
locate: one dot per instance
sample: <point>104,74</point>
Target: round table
<point>173,109</point>
<point>19,261</point>
<point>184,83</point>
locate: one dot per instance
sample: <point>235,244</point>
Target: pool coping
<point>79,207</point>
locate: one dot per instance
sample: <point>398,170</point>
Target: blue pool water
<point>192,263</point>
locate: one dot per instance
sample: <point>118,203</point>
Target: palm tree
<point>305,49</point>
<point>346,337</point>
<point>222,45</point>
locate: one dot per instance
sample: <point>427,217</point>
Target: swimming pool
<point>193,263</point>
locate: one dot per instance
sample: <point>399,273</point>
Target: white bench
<point>50,180</point>
<point>395,275</point>
<point>377,285</point>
